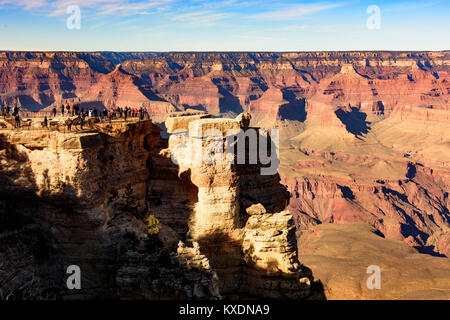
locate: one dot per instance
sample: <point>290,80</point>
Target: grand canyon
<point>363,179</point>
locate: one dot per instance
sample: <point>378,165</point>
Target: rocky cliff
<point>83,199</point>
<point>363,135</point>
<point>80,199</point>
<point>275,83</point>
<point>236,215</point>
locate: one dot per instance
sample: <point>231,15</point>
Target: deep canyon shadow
<point>354,121</point>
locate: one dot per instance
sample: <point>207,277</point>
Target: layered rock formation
<point>376,82</point>
<point>384,166</point>
<point>340,256</point>
<point>83,198</point>
<point>253,251</point>
<point>80,199</point>
<point>37,81</point>
<point>363,135</point>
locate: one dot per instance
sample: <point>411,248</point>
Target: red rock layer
<point>373,82</point>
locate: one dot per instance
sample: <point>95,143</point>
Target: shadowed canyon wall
<point>80,199</point>
<point>83,199</point>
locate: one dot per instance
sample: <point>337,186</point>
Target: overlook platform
<point>58,123</point>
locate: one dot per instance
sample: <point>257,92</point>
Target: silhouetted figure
<point>45,123</point>
<point>17,119</point>
<point>69,123</point>
<point>62,110</point>
<point>54,111</point>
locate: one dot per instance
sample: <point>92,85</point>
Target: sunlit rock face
<point>82,198</point>
<point>275,84</point>
<point>252,250</point>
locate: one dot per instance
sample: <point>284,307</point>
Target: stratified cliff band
<point>83,199</point>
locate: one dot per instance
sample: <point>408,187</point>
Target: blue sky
<point>224,25</point>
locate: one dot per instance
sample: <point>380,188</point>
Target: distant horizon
<point>218,51</point>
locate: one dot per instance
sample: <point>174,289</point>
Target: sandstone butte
<point>364,150</point>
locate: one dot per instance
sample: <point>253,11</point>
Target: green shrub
<point>152,225</point>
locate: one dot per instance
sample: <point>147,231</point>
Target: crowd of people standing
<point>5,111</point>
<point>119,113</point>
<point>115,113</point>
<point>112,114</point>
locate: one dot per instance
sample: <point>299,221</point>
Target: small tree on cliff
<point>152,225</point>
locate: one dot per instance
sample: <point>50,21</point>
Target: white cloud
<point>295,27</point>
<point>131,8</point>
<point>27,4</point>
<point>201,17</point>
<point>208,4</point>
<point>101,7</point>
<point>255,37</point>
<point>409,6</point>
<point>295,12</point>
<point>59,7</point>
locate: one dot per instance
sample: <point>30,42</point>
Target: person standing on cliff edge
<point>81,121</point>
<point>17,119</point>
<point>69,124</point>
